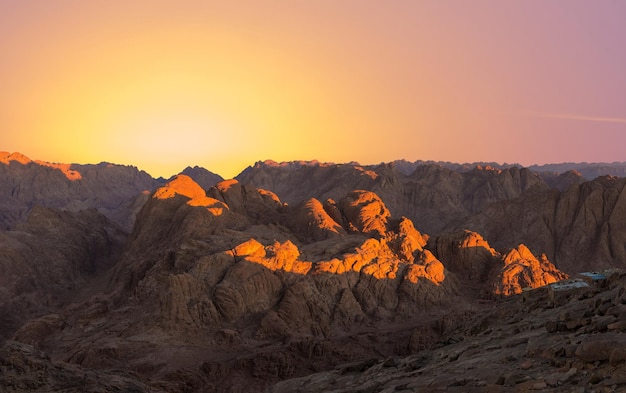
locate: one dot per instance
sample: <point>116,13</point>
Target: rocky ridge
<point>434,196</point>
<point>116,191</point>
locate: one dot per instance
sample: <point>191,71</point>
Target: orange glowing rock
<point>226,185</point>
<point>428,267</point>
<point>185,186</point>
<point>284,256</point>
<point>381,270</point>
<point>366,212</point>
<point>312,219</point>
<point>250,248</point>
<point>6,158</point>
<point>523,270</point>
<point>65,168</point>
<point>269,195</point>
<point>278,256</point>
<point>473,239</point>
<point>407,241</point>
<point>180,185</point>
<point>214,206</point>
<point>366,172</point>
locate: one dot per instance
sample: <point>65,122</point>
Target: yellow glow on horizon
<point>222,85</point>
<point>214,99</point>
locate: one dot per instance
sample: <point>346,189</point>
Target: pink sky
<point>162,84</point>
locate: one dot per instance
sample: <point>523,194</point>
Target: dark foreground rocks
<point>524,344</point>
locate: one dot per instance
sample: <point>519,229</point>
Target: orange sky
<point>163,84</point>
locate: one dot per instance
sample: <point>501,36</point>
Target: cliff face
<point>579,229</point>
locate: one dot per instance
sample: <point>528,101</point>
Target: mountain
<point>589,171</point>
<point>297,274</point>
<point>432,196</point>
<point>116,191</point>
<point>206,179</point>
<point>578,229</point>
<point>234,270</point>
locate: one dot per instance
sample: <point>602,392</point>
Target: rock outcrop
<point>227,268</point>
<point>522,270</point>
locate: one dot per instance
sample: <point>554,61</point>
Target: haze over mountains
<point>202,284</point>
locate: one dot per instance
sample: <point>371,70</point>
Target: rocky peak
<point>203,177</point>
<point>523,270</point>
<point>311,219</point>
<point>365,212</point>
<point>180,185</point>
<point>466,253</point>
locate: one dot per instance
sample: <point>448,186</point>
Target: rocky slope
<point>552,339</point>
<point>50,258</point>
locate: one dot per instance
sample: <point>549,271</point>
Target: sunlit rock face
<point>365,212</point>
<point>261,267</point>
<point>466,253</point>
<point>311,219</point>
<point>523,270</point>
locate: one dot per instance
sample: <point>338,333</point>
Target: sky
<point>221,84</point>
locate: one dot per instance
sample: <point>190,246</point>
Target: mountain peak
<point>180,185</point>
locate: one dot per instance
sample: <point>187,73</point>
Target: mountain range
<point>115,281</point>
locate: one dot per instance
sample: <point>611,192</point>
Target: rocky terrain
<point>366,275</point>
<point>551,339</point>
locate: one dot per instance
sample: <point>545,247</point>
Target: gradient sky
<point>221,84</point>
